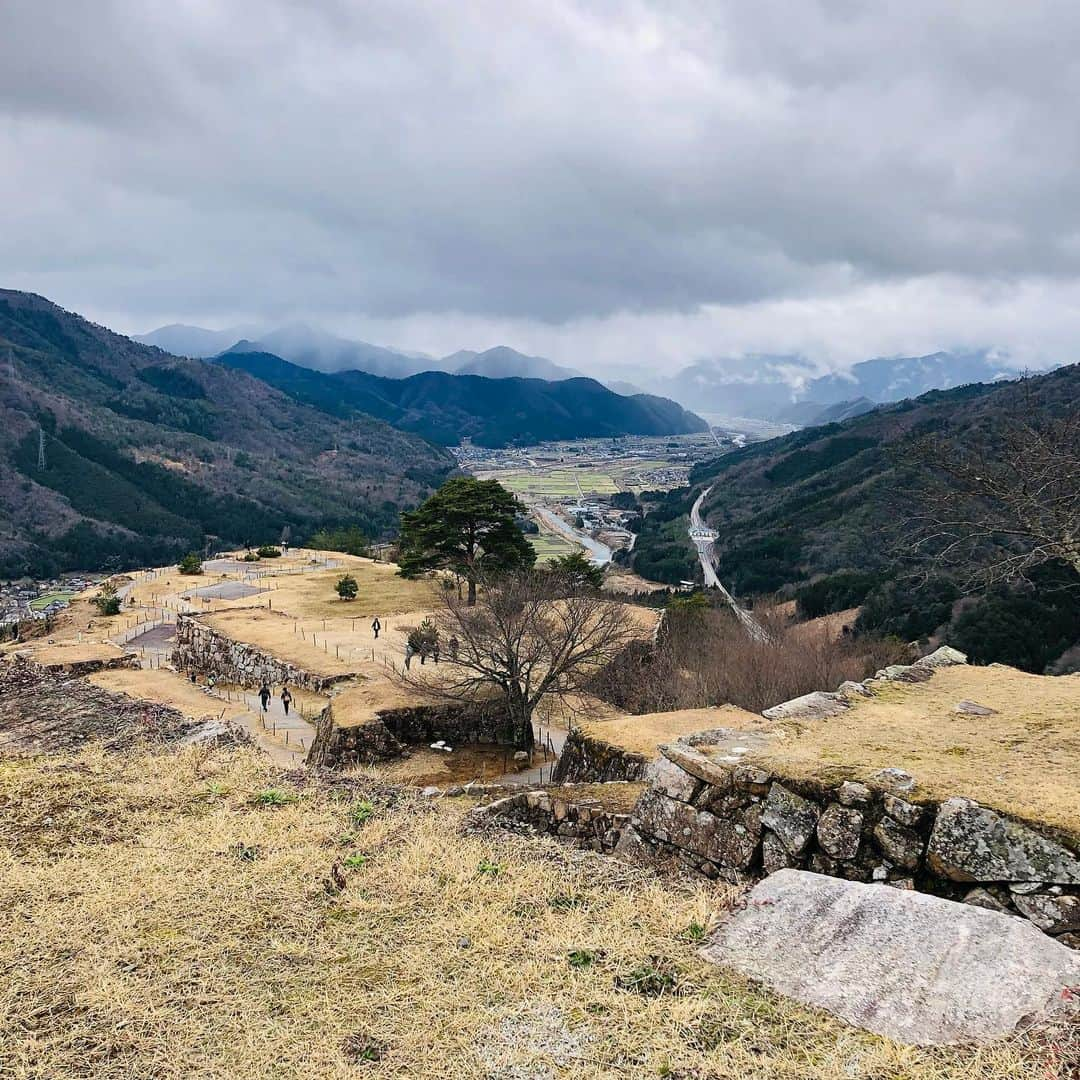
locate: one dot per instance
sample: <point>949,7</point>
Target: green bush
<point>106,601</point>
<point>190,564</point>
<point>268,551</point>
<point>346,587</point>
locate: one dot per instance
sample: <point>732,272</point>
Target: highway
<point>704,538</point>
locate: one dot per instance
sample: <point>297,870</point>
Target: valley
<point>568,486</point>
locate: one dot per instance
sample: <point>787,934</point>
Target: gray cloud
<point>643,182</point>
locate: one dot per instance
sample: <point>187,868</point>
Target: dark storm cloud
<point>543,168</point>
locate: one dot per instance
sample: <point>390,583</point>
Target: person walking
<point>453,646</point>
<point>435,650</point>
<point>286,699</point>
<point>409,650</point>
<point>264,696</point>
<point>376,626</point>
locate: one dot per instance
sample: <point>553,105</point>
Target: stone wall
<point>588,760</point>
<point>392,730</point>
<point>737,821</point>
<point>586,822</point>
<point>207,652</point>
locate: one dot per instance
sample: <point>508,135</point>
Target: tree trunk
<point>521,722</point>
<point>472,593</point>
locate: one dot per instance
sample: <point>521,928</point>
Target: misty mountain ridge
<point>774,387</point>
<point>785,388</point>
<point>446,407</point>
<point>311,347</point>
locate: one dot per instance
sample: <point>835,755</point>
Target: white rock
<point>912,967</point>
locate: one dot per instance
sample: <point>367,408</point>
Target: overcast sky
<point>648,183</point>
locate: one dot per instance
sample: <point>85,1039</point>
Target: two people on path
<point>264,697</point>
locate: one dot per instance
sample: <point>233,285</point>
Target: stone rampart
<point>586,822</point>
<point>739,821</point>
<point>205,651</point>
<point>389,733</point>
<point>590,760</point>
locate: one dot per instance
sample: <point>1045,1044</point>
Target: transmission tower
<point>41,449</point>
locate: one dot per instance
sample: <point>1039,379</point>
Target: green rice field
<point>41,602</point>
<point>550,546</point>
<point>558,483</point>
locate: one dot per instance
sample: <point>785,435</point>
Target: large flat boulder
<point>912,967</point>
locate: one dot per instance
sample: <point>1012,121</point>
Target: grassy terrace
<point>642,734</point>
<point>168,916</point>
<point>1023,760</point>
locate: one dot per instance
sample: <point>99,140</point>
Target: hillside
<point>493,412</point>
<point>831,506</point>
<point>147,455</point>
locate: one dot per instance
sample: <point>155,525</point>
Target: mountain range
<point>115,454</point>
<point>445,408</point>
<point>314,348</point>
<point>783,388</point>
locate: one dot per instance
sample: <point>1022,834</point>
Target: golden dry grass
<point>161,685</point>
<point>374,689</point>
<point>71,652</point>
<point>643,734</point>
<point>158,918</point>
<point>277,634</point>
<point>1025,760</point>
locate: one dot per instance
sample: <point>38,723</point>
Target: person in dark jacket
<point>264,696</point>
<point>376,626</point>
<point>286,699</point>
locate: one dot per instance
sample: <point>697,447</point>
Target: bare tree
<point>1002,501</point>
<point>527,638</point>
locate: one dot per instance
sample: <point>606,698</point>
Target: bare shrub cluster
<point>705,657</point>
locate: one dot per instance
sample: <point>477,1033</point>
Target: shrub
<point>190,564</point>
<point>347,587</point>
<point>106,601</point>
<point>705,657</point>
<point>268,551</point>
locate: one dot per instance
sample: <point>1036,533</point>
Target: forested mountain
<point>493,412</point>
<point>826,515</point>
<point>146,455</point>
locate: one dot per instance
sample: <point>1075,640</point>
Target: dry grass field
<point>169,916</point>
<point>642,734</point>
<point>162,685</point>
<point>1024,760</point>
